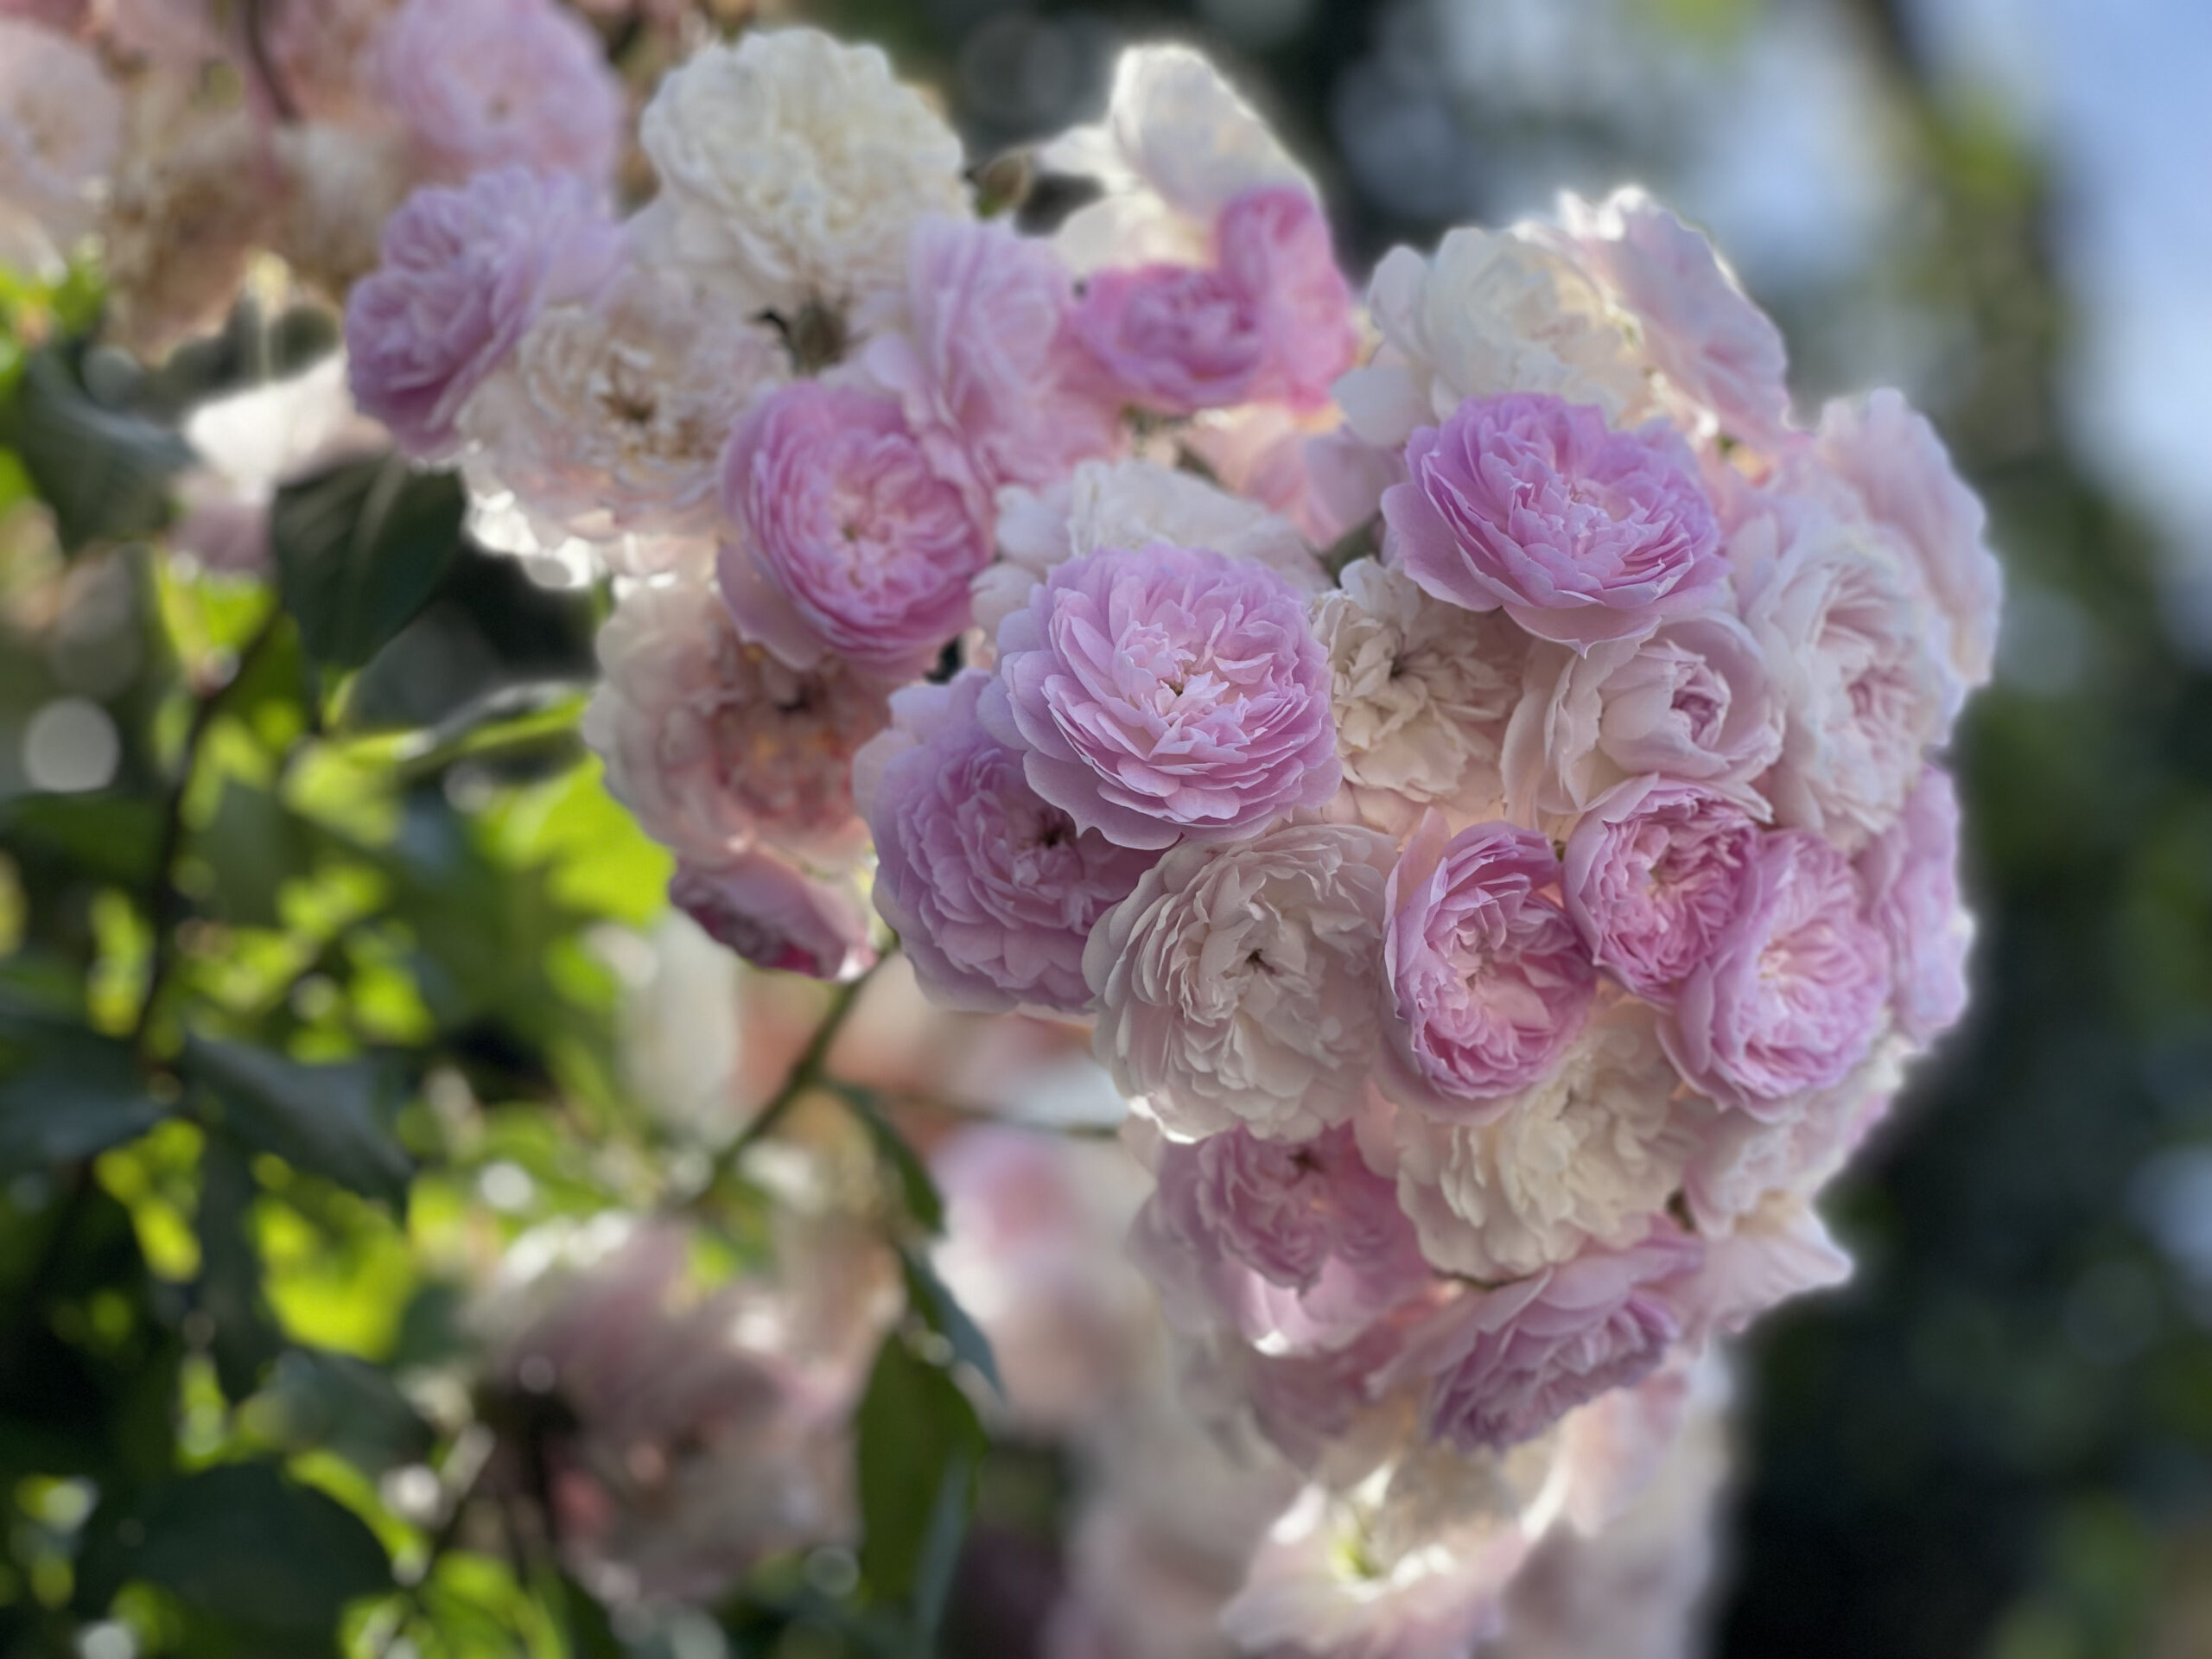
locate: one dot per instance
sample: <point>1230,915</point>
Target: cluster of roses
<point>188,134</point>
<point>1503,934</point>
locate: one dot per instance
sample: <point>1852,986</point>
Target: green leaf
<point>916,1186</point>
<point>332,1121</point>
<point>66,1093</point>
<point>251,846</point>
<point>114,837</point>
<point>229,1290</point>
<point>105,474</point>
<point>244,1544</point>
<point>920,1440</point>
<point>334,1402</point>
<point>933,1300</point>
<point>360,550</point>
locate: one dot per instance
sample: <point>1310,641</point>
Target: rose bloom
<point>1862,676</point>
<point>1419,689</point>
<point>1494,311</point>
<point>60,130</point>
<point>851,544</point>
<point>1741,1161</point>
<point>340,188</point>
<point>1794,990</point>
<point>776,916</point>
<point>1485,982</point>
<point>1165,693</point>
<point>1691,703</point>
<point>1911,876</point>
<point>1505,1364</point>
<point>1654,876</point>
<point>485,83</point>
<point>1587,1156</point>
<point>321,53</point>
<point>980,358</point>
<point>794,167</point>
<point>1891,458</point>
<point>714,744</point>
<point>1236,983</point>
<point>1581,533</point>
<point>992,890</point>
<point>1108,503</point>
<point>610,417</point>
<point>1694,321</point>
<point>465,271</point>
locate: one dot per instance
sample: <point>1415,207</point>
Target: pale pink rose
<point>1503,1365</point>
<point>850,543</point>
<point>992,889</point>
<point>1691,702</point>
<point>320,54</point>
<point>982,361</point>
<point>716,744</point>
<point>484,84</point>
<point>1739,1161</point>
<point>1581,533</point>
<point>1694,322</point>
<point>1166,693</point>
<point>776,916</point>
<point>1238,983</point>
<point>60,130</point>
<point>1778,1252</point>
<point>1794,991</point>
<point>1653,876</point>
<point>1892,457</point>
<point>1273,244</point>
<point>1486,982</point>
<point>1911,876</point>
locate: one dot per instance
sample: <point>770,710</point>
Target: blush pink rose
<point>850,542</point>
<point>1581,533</point>
<point>1486,981</point>
<point>1911,874</point>
<point>985,364</point>
<point>1274,245</point>
<point>992,889</point>
<point>1503,1365</point>
<point>1654,876</point>
<point>776,916</point>
<point>1166,693</point>
<point>1792,995</point>
<point>464,271</point>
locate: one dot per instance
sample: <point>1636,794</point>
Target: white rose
<point>1238,983</point>
<point>60,130</point>
<point>793,166</point>
<point>1692,703</point>
<point>1740,1161</point>
<point>609,419</point>
<point>1420,689</point>
<point>1494,311</point>
<point>1177,145</point>
<point>1862,676</point>
<point>1589,1155</point>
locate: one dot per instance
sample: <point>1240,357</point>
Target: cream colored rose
<point>792,167</point>
<point>60,132</point>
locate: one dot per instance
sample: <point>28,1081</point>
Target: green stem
<point>808,1072</point>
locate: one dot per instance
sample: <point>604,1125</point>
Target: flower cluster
<point>1504,923</point>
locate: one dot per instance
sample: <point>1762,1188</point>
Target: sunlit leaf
<point>332,1121</point>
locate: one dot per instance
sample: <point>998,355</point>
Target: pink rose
<point>1486,981</point>
<point>992,889</point>
<point>1273,244</point>
<point>775,917</point>
<point>851,544</point>
<point>1654,876</point>
<point>464,271</point>
<point>1503,1365</point>
<point>1792,994</point>
<point>985,366</point>
<point>1911,876</point>
<point>1582,534</point>
<point>1166,693</point>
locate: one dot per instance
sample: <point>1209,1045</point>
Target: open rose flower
<point>1585,1155</point>
<point>465,271</point>
<point>1581,533</point>
<point>1503,1365</point>
<point>1166,693</point>
<point>992,889</point>
<point>1485,982</point>
<point>1911,876</point>
<point>851,544</point>
<point>777,916</point>
<point>61,132</point>
<point>1236,983</point>
<point>1653,876</point>
<point>1792,993</point>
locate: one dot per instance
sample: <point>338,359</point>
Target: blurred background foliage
<point>356,837</point>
